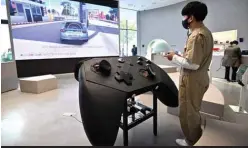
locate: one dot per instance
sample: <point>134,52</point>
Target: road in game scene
<point>51,32</point>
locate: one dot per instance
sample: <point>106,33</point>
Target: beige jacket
<point>232,57</point>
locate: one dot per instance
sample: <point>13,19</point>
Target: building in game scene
<point>27,11</point>
<point>94,13</point>
<point>83,14</point>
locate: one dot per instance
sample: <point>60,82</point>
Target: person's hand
<point>170,55</point>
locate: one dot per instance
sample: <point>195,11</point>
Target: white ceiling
<point>141,5</point>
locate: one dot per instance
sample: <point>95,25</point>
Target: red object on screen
<point>216,49</point>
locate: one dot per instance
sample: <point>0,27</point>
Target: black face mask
<point>185,23</point>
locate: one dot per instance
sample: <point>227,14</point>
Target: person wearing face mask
<point>194,63</point>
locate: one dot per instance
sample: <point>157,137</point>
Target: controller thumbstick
<point>105,67</point>
<point>121,60</point>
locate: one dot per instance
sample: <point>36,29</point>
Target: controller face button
<point>145,74</point>
<point>148,62</point>
<point>140,59</point>
<point>121,60</point>
<point>139,62</point>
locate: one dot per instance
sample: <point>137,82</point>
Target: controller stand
<point>125,126</point>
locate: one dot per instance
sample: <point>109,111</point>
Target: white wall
<point>166,22</point>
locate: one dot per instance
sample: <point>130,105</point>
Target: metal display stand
<point>125,126</point>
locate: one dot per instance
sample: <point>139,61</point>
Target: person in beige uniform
<point>194,78</point>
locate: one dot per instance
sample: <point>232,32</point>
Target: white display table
<point>213,101</point>
<point>216,68</point>
<point>212,104</point>
<point>38,84</point>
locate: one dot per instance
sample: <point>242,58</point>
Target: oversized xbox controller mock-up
<point>106,83</point>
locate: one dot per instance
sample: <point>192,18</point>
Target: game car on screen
<point>74,31</point>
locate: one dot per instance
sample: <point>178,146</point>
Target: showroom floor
<point>29,119</point>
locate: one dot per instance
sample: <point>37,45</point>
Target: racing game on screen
<point>45,29</point>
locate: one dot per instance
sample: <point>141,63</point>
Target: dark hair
<point>235,42</point>
<point>231,43</point>
<point>197,9</point>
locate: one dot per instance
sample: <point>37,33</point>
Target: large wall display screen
<point>48,29</point>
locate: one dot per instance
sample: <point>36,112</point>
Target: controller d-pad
<point>124,77</point>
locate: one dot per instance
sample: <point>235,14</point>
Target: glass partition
<point>124,44</point>
<point>132,40</point>
<point>128,31</point>
<point>3,10</point>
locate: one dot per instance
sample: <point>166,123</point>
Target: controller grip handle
<point>78,66</point>
<point>76,69</point>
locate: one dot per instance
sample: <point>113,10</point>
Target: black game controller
<point>102,97</point>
